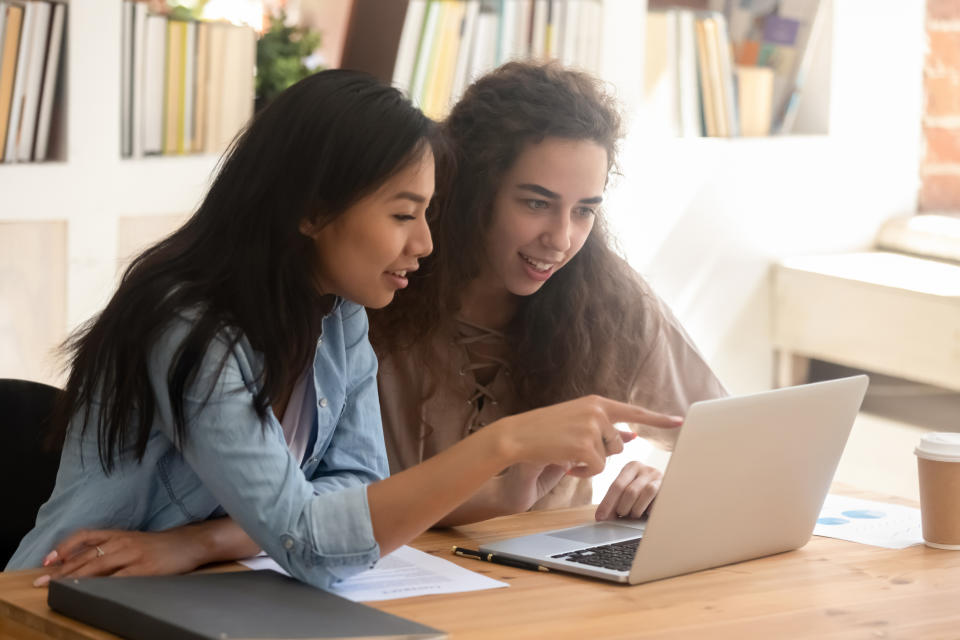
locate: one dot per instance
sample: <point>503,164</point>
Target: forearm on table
<point>410,502</point>
<point>221,540</point>
<point>488,502</point>
<point>396,518</point>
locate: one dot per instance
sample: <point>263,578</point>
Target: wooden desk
<point>827,589</point>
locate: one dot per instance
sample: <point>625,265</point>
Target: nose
<point>557,234</point>
<point>420,243</point>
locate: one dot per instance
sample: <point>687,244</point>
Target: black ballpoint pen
<point>489,557</point>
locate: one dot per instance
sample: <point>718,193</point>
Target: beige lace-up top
<point>477,390</point>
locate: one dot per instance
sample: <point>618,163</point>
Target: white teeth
<point>539,266</point>
<point>402,274</point>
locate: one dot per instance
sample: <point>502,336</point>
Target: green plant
<point>181,9</point>
<point>281,54</point>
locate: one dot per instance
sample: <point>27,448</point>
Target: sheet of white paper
<point>404,573</point>
<point>875,523</point>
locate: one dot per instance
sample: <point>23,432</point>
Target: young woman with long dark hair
<point>231,371</point>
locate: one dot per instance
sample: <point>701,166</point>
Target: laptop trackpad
<point>597,533</point>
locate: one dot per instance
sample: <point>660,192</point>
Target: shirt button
<point>319,341</point>
<point>288,544</point>
<point>323,403</point>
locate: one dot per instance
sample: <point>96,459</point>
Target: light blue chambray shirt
<point>313,519</point>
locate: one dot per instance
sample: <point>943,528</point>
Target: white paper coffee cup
<point>938,467</point>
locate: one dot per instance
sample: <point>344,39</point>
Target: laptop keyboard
<point>616,555</point>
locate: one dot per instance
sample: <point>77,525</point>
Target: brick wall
<point>940,166</point>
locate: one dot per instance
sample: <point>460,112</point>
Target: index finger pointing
<point>622,412</point>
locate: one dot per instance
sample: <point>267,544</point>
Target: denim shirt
<point>313,520</point>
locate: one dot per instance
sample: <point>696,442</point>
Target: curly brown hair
<point>581,332</point>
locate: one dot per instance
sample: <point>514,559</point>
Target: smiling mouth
<point>399,274</point>
<point>542,267</point>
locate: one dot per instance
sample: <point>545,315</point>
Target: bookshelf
<point>31,80</point>
<point>373,34</point>
<point>60,234</point>
<point>702,218</point>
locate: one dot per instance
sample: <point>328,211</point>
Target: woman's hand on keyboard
<point>631,493</point>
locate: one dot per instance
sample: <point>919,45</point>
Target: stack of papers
<point>405,573</point>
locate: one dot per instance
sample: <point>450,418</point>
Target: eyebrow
<point>543,191</point>
<point>407,195</point>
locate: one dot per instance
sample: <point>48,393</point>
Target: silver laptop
<point>747,479</point>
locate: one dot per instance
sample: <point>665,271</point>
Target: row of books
<point>186,86</point>
<point>713,73</point>
<point>31,45</point>
<point>445,44</point>
<point>688,74</point>
<point>781,35</point>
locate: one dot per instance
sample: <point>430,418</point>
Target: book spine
<point>189,87</point>
<point>154,78</point>
<point>3,21</point>
<point>213,138</point>
<point>50,83</point>
<point>422,64</point>
<point>126,80</point>
<point>466,49</point>
<point>111,616</point>
<point>409,41</point>
<point>538,40</point>
<point>725,59</point>
<point>19,81</point>
<point>8,69</point>
<point>521,33</point>
<point>138,51</point>
<point>200,96</point>
<point>706,90</point>
<point>33,81</point>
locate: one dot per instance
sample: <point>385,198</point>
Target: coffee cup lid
<point>944,447</point>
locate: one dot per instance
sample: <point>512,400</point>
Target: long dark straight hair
<point>240,262</point>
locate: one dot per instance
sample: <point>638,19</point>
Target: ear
<point>309,227</point>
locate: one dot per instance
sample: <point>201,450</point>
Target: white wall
<point>704,219</point>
